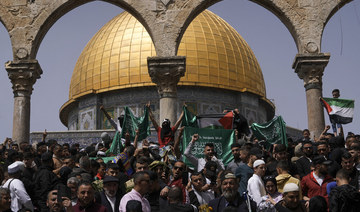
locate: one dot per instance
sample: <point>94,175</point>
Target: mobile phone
<point>63,191</point>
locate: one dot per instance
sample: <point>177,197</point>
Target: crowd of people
<point>304,175</point>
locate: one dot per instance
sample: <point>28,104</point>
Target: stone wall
<point>200,100</point>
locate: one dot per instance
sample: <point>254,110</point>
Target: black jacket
<point>101,199</point>
<point>220,203</point>
<point>45,181</point>
<point>344,198</point>
<point>303,166</point>
<point>281,208</point>
<point>178,207</point>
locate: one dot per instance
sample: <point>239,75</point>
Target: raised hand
<point>195,137</point>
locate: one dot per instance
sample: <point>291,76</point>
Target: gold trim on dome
<point>216,56</point>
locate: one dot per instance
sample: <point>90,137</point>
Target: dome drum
<point>87,116</point>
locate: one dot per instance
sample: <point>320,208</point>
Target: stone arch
<point>335,9</point>
<point>47,21</point>
<point>297,16</point>
<point>273,8</point>
<point>195,12</point>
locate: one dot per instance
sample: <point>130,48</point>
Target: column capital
<point>310,68</point>
<point>23,75</point>
<point>166,72</point>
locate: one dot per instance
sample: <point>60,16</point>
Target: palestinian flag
<point>340,111</point>
<point>216,121</point>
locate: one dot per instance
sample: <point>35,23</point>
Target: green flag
<point>273,132</point>
<point>221,138</point>
<point>131,124</point>
<point>189,120</point>
<point>116,145</point>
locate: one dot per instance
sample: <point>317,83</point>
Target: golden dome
<point>116,57</point>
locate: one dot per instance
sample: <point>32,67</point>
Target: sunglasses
<point>269,177</point>
<point>178,167</point>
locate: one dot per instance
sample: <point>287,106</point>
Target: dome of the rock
<point>222,72</point>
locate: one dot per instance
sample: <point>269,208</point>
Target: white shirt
<point>199,163</point>
<point>204,197</point>
<point>18,194</point>
<point>318,179</point>
<point>256,188</point>
<point>111,201</point>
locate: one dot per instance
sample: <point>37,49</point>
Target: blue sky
<point>267,36</point>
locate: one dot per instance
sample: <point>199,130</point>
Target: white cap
<point>289,187</point>
<point>258,163</point>
<point>14,167</point>
<point>100,153</point>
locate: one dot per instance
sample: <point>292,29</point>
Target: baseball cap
<point>320,159</point>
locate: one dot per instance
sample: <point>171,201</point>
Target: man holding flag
<point>130,126</point>
<point>166,133</point>
<point>341,111</point>
<point>209,153</point>
<point>215,137</point>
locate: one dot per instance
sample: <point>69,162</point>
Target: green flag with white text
<point>221,138</point>
<point>273,132</point>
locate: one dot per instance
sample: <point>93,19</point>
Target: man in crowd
<point>245,171</point>
<point>165,133</point>
<point>324,150</point>
<point>57,158</point>
<point>284,177</point>
<point>72,184</point>
<point>86,195</point>
<point>336,126</point>
<point>291,200</point>
<point>256,187</point>
<point>303,164</point>
<point>141,164</point>
<point>230,196</point>
<point>344,197</point>
<point>196,186</point>
<point>175,200</point>
<point>315,183</point>
<point>348,164</point>
<point>5,200</point>
<point>141,181</point>
<point>235,163</point>
<point>306,136</point>
<point>45,180</point>
<point>19,197</point>
<point>109,197</point>
<point>153,196</point>
<point>209,153</point>
<point>55,206</point>
<point>280,154</point>
<point>177,180</point>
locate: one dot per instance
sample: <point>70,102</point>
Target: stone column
<point>310,68</point>
<point>166,72</point>
<point>23,75</point>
